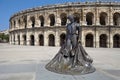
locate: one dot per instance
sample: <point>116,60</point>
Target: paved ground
<point>27,63</point>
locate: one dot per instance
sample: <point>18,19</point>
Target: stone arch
<point>103,40</point>
<point>14,22</point>
<point>24,40</point>
<point>89,40</point>
<point>52,19</point>
<point>116,41</point>
<point>19,22</point>
<point>41,40</point>
<point>77,17</point>
<point>89,18</point>
<point>11,24</point>
<point>25,21</point>
<point>32,21</point>
<point>51,40</point>
<point>18,37</point>
<point>63,17</point>
<point>41,18</point>
<point>62,39</point>
<point>32,40</point>
<point>116,18</point>
<point>103,18</point>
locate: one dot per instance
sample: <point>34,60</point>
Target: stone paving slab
<point>18,76</point>
<point>28,63</point>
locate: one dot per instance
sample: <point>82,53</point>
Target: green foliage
<point>4,37</point>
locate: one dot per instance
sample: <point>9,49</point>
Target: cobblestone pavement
<point>28,63</point>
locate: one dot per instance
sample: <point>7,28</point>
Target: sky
<point>10,7</point>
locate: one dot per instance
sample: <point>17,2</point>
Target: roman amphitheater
<point>45,25</point>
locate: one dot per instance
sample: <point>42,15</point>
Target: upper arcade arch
<point>25,21</point>
<point>14,23</point>
<point>116,18</point>
<point>89,18</point>
<point>41,18</point>
<point>19,22</point>
<point>52,19</point>
<point>76,17</point>
<point>32,21</point>
<point>103,18</point>
<point>63,17</point>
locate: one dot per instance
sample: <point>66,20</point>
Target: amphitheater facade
<point>46,25</point>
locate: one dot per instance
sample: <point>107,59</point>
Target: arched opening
<point>41,40</point>
<point>19,22</point>
<point>63,17</point>
<point>33,22</point>
<point>25,21</point>
<point>24,40</point>
<point>103,18</point>
<point>18,39</point>
<point>77,17</point>
<point>103,40</point>
<point>89,40</point>
<point>89,18</point>
<point>116,41</point>
<point>32,40</point>
<point>62,39</point>
<point>116,19</point>
<point>14,24</point>
<point>41,21</point>
<point>52,20</point>
<point>11,24</point>
<point>51,40</point>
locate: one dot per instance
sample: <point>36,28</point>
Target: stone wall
<point>100,24</point>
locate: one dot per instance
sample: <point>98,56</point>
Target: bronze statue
<point>71,58</point>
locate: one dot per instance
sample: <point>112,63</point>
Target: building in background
<point>45,26</point>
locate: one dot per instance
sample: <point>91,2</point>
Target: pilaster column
<point>94,41</point>
<point>97,16</point>
<point>45,39</point>
<point>28,38</point>
<point>84,19</point>
<point>16,39</point>
<point>58,21</point>
<point>10,38</point>
<point>21,39</point>
<point>110,17</point>
<point>57,40</point>
<point>28,22</point>
<point>37,21</point>
<point>97,40</point>
<point>83,39</point>
<point>111,41</point>
<point>47,20</point>
<point>17,25</point>
<point>36,39</point>
<point>108,42</point>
